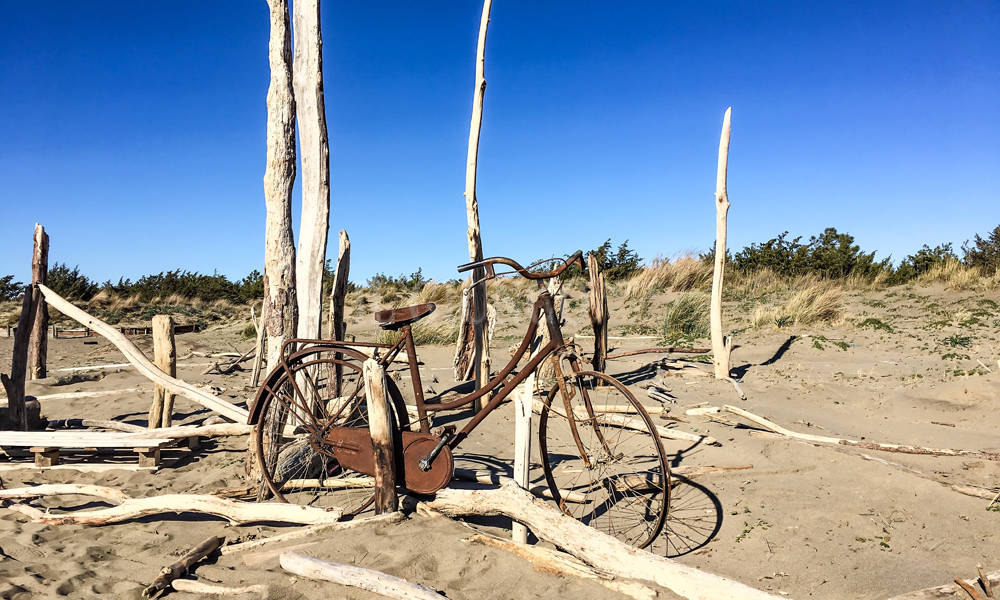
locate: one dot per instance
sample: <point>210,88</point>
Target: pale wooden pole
<point>524,396</point>
<point>280,311</point>
<point>721,345</point>
<point>314,152</point>
<point>380,427</point>
<point>338,327</point>
<point>482,355</point>
<point>164,357</point>
<point>14,384</point>
<point>38,342</point>
<point>598,313</point>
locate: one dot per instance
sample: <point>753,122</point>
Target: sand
<point>806,521</point>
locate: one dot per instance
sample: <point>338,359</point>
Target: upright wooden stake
<point>523,402</point>
<point>14,384</point>
<point>598,313</point>
<point>280,312</point>
<point>165,357</point>
<point>39,341</point>
<point>338,327</point>
<point>721,345</point>
<point>380,427</point>
<point>315,154</point>
<point>482,356</point>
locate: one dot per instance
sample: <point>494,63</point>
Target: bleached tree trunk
<point>721,345</point>
<point>310,108</point>
<point>165,357</point>
<point>338,327</point>
<point>280,312</point>
<point>38,342</point>
<point>482,356</point>
<point>598,313</point>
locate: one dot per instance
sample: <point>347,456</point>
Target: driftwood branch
<point>722,345</point>
<point>941,592</point>
<point>308,532</point>
<point>175,570</point>
<point>141,363</point>
<point>365,579</point>
<point>589,545</point>
<point>189,586</point>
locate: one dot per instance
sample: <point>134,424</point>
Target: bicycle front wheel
<point>603,460</point>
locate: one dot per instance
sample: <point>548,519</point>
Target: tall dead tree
<point>38,342</point>
<point>482,350</point>
<point>280,311</point>
<point>721,345</point>
<point>338,327</point>
<point>598,313</point>
<point>314,152</point>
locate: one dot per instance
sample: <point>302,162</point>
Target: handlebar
<point>576,257</point>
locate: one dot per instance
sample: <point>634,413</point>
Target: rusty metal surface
<point>353,449</point>
<point>394,318</point>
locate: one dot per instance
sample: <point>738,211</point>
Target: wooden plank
<point>78,439</point>
<point>81,467</point>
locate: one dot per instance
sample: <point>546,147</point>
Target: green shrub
<point>983,253</point>
<point>922,261</point>
<point>10,289</point>
<point>876,324</point>
<point>70,283</point>
<point>830,254</point>
<point>686,319</point>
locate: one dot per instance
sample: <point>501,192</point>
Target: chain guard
<point>353,449</point>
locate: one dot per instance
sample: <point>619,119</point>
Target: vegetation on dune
<point>820,302</point>
<point>686,319</point>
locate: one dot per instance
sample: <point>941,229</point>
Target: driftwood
<point>259,348</point>
<point>14,384</point>
<point>598,312</point>
<point>380,428</point>
<point>589,545</point>
<point>177,431</point>
<point>947,591</point>
<point>819,439</point>
<point>338,295</point>
<point>365,579</point>
<point>165,356</point>
<point>542,491</point>
<point>189,586</point>
<point>559,563</point>
<point>141,363</point>
<point>96,424</point>
<point>635,423</point>
<point>315,530</point>
<point>280,309</point>
<point>39,339</point>
<point>75,395</point>
<point>175,570</point>
<point>60,489</point>
<point>657,350</point>
<point>722,346</point>
<point>130,508</point>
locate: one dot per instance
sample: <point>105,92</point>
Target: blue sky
<point>134,131</point>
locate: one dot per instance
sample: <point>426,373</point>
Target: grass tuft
<point>686,319</point>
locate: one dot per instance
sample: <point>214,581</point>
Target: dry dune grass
<point>756,284</point>
<point>954,275</point>
<point>439,293</point>
<point>815,302</point>
<point>683,274</point>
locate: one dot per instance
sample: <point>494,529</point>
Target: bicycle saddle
<point>394,318</point>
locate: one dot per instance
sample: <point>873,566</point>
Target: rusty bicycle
<point>602,458</point>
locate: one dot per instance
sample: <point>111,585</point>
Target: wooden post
<point>338,327</point>
<point>546,372</point>
<point>721,345</point>
<point>523,403</point>
<point>310,109</point>
<point>165,357</point>
<point>598,313</point>
<point>38,341</point>
<point>383,440</point>
<point>14,384</point>
<point>482,355</point>
<point>280,312</point>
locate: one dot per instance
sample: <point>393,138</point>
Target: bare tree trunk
<point>310,107</point>
<point>338,327</point>
<point>39,341</point>
<point>380,427</point>
<point>482,356</point>
<point>721,345</point>
<point>598,314</point>
<point>165,357</point>
<point>280,312</point>
<point>14,385</point>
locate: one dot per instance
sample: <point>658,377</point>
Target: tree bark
<point>14,384</point>
<point>482,354</point>
<point>165,357</point>
<point>721,345</point>
<point>280,311</point>
<point>380,428</point>
<point>310,109</point>
<point>598,314</point>
<point>338,295</point>
<point>39,341</point>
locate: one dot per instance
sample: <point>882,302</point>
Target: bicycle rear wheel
<point>301,403</point>
<point>603,459</point>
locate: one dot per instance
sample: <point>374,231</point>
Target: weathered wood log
<point>542,491</point>
<point>75,395</point>
<point>165,357</point>
<point>820,439</point>
<point>189,586</point>
<point>141,363</point>
<point>721,345</point>
<point>237,513</point>
<point>280,311</point>
<point>482,349</point>
<point>97,424</point>
<point>524,397</point>
<point>590,545</point>
<point>314,152</point>
<point>365,579</point>
<point>175,570</point>
<point>380,428</point>
<point>314,530</point>
<point>338,296</point>
<point>39,341</point>
<point>545,560</point>
<point>60,489</point>
<point>598,312</point>
<point>629,422</point>
<point>657,350</point>
<point>14,384</point>
<point>943,591</point>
